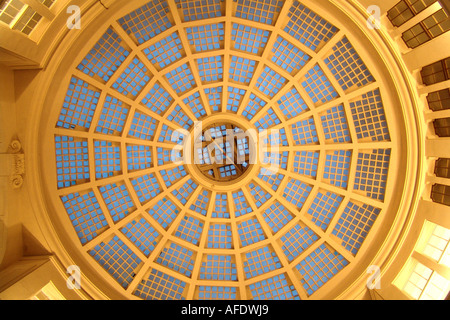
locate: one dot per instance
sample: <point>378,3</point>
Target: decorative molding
<point>13,164</point>
<point>16,181</point>
<point>15,146</point>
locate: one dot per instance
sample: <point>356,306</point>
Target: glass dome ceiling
<point>279,227</point>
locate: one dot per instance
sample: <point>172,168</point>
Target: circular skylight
<point>222,152</point>
<point>221,149</point>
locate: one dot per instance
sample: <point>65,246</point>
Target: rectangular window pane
<point>400,14</point>
<point>9,10</point>
<point>436,72</point>
<point>441,194</point>
<point>406,9</point>
<point>420,5</point>
<point>442,168</point>
<point>439,100</point>
<point>442,127</point>
<point>430,28</point>
<point>47,3</point>
<point>436,289</point>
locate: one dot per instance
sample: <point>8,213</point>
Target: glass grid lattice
<point>297,240</point>
<point>164,212</point>
<point>200,205</point>
<point>85,215</point>
<point>165,52</point>
<point>142,234</point>
<point>264,11</point>
<point>277,216</point>
<point>334,124</point>
<point>347,67</point>
<point>158,100</point>
<point>214,96</point>
<point>292,104</point>
<point>79,105</point>
<point>241,205</point>
<point>324,208</point>
<point>133,80</point>
<point>147,21</point>
<point>160,286</point>
<point>371,173</point>
<point>107,159</point>
<point>319,267</point>
<point>272,179</point>
<point>221,209</point>
<point>241,69</point>
<point>318,86</point>
<point>146,187</point>
<point>337,168</point>
<point>143,126</point>
<point>250,232</point>
<point>235,96</point>
<point>305,132</point>
<point>219,236</point>
<point>206,37</point>
<point>113,117</point>
<point>296,192</point>
<point>190,229</point>
<point>210,69</point>
<point>72,161</point>
<point>288,56</point>
<point>308,27</point>
<point>354,225</point>
<point>194,103</point>
<point>270,82</point>
<point>177,258</point>
<point>248,39</point>
<point>217,293</point>
<point>200,9</point>
<point>117,259</point>
<point>105,57</point>
<point>260,261</point>
<point>218,267</point>
<point>184,192</point>
<point>118,200</point>
<point>369,117</point>
<point>181,79</point>
<point>139,157</point>
<point>274,288</point>
<point>275,160</point>
<point>172,175</point>
<point>306,163</point>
